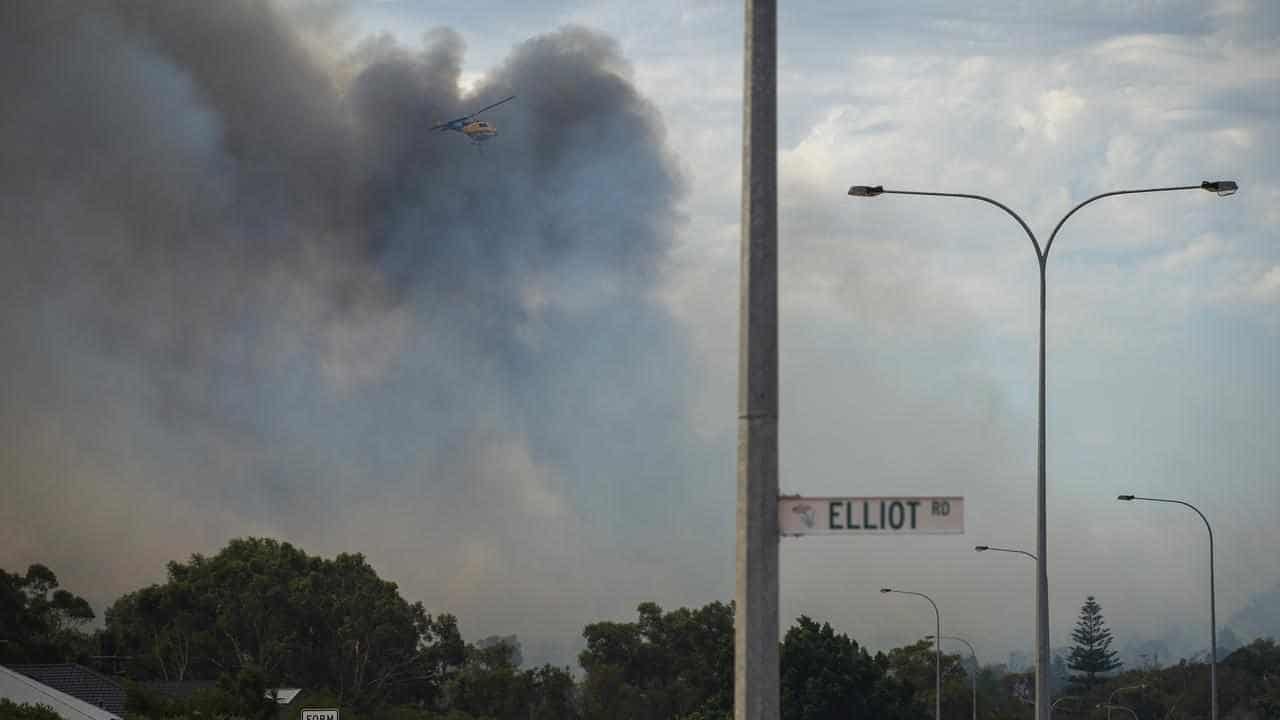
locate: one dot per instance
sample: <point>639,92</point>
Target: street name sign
<point>870,515</point>
<point>313,714</point>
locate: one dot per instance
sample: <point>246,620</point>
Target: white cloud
<point>1059,108</point>
<point>1266,289</point>
<point>1190,256</point>
<point>935,284</point>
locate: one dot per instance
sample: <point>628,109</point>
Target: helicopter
<point>477,130</point>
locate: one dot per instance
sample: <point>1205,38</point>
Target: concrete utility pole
<point>755,625</point>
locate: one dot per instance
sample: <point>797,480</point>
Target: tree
<point>665,665</point>
<point>265,610</point>
<point>161,626</point>
<point>40,622</point>
<point>1259,664</point>
<point>490,684</point>
<point>1092,654</point>
<point>553,695</point>
<point>443,656</point>
<point>826,676</point>
<point>915,667</point>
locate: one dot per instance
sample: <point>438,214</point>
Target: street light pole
<point>984,548</point>
<point>1117,691</point>
<point>1222,188</point>
<point>937,644</point>
<point>974,653</point>
<point>1213,610</point>
<point>1064,697</point>
<point>1109,707</point>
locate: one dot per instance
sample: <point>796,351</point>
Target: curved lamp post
<point>1109,707</point>
<point>975,667</point>
<point>984,548</point>
<point>1221,188</point>
<point>1110,698</point>
<point>1064,697</point>
<point>937,643</point>
<point>1213,611</point>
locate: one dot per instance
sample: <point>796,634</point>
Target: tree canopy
<point>295,619</point>
<point>39,621</point>
<point>826,675</point>
<point>664,665</point>
<point>262,614</point>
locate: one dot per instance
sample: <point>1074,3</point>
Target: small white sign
<point>870,516</point>
<point>311,714</point>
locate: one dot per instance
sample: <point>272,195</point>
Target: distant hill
<point>1260,618</point>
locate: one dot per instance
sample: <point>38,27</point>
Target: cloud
<point>1267,288</point>
<point>909,324</point>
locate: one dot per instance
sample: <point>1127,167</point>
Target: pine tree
<point>1092,653</point>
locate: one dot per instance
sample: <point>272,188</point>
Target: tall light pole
<point>1213,611</point>
<point>974,653</point>
<point>755,625</point>
<point>984,548</point>
<point>937,643</point>
<point>1222,188</point>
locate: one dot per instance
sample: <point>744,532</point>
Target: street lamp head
<point>869,190</point>
<point>1222,187</point>
<point>981,548</point>
<point>886,590</point>
<point>928,637</point>
<point>1124,497</point>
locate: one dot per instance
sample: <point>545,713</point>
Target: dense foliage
<point>268,607</point>
<point>262,614</point>
<point>826,676</point>
<point>40,622</point>
<point>14,711</point>
<point>665,665</point>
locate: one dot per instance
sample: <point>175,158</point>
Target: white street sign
<point>310,714</point>
<point>870,515</point>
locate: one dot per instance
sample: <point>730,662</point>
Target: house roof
<point>79,682</point>
<point>21,689</point>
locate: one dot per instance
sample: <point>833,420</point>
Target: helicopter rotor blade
<point>490,107</point>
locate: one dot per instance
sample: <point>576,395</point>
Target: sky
<point>249,292</point>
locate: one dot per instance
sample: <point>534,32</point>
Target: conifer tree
<point>1092,654</point>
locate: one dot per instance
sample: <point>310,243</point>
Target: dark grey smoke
<point>247,290</point>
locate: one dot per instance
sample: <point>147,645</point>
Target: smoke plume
<point>247,290</point>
